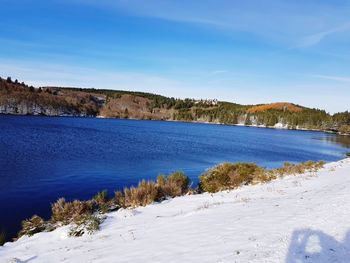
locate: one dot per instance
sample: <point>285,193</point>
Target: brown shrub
<point>289,169</point>
<point>104,204</point>
<point>265,177</point>
<point>119,199</point>
<point>145,193</point>
<point>228,176</point>
<point>175,184</point>
<point>32,226</point>
<point>66,212</point>
<point>101,197</point>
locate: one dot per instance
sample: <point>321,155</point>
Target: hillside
<point>309,224</point>
<point>19,98</point>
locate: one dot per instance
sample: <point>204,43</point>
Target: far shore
<point>279,127</point>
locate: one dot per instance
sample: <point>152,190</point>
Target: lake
<point>43,159</point>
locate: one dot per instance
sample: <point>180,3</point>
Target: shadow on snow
<point>309,245</point>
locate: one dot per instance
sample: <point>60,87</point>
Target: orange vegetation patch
<point>283,106</point>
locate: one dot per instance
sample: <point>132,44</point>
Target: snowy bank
<point>303,218</point>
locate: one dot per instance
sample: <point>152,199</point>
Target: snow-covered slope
<point>303,218</point>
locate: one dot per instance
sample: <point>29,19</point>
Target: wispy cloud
<point>335,78</point>
<point>314,39</point>
<point>217,72</point>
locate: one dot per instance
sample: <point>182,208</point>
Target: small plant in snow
<point>88,224</point>
<point>32,226</point>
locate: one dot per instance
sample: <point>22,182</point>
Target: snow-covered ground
<point>304,218</point>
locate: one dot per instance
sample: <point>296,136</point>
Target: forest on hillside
<point>18,98</point>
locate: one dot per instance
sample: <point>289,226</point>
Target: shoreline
<point>194,122</point>
<point>184,220</point>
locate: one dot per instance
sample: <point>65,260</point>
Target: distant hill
<point>19,98</point>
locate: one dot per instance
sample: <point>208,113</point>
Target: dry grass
<point>102,201</point>
<point>66,212</point>
<point>176,184</point>
<point>229,176</point>
<point>79,213</point>
<point>290,169</point>
<point>145,193</point>
<point>101,197</point>
<point>32,226</point>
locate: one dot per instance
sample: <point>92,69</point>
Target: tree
<point>9,80</point>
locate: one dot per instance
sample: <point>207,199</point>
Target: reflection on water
<point>338,139</point>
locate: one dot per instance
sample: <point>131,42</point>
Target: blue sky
<point>247,52</point>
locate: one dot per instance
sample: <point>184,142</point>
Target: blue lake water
<point>42,159</point>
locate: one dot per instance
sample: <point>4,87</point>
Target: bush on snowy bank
<point>228,176</point>
<point>289,168</point>
<point>175,184</point>
<point>66,212</point>
<point>142,195</point>
<point>34,225</point>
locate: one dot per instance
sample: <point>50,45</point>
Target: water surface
<point>42,159</point>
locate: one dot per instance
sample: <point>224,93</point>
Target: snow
<point>303,218</point>
<point>280,125</point>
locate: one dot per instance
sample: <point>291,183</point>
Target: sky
<point>243,51</point>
